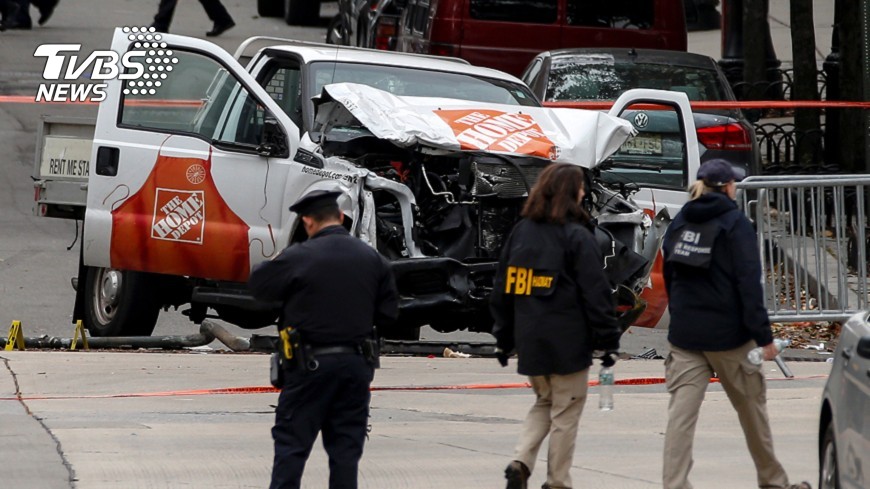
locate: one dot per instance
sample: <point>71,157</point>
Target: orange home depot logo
<point>179,215</point>
<point>494,130</point>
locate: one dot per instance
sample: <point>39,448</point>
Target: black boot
<point>219,29</point>
<point>517,475</point>
<point>45,11</point>
<point>10,20</point>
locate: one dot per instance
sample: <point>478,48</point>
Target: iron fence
<point>813,241</point>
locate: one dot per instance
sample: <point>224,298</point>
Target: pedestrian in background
<point>552,303</point>
<point>16,13</point>
<point>334,288</point>
<point>713,277</point>
<point>213,8</point>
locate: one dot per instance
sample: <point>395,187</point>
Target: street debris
<point>448,353</point>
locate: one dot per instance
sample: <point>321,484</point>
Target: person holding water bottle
<point>552,303</point>
<point>712,272</point>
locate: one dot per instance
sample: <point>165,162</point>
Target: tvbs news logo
<point>145,66</point>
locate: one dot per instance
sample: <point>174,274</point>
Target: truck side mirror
<point>273,141</point>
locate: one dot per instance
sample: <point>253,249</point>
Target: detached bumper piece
<point>428,283</point>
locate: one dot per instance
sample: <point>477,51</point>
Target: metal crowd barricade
<point>812,239</point>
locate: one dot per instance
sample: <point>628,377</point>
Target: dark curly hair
<point>554,197</point>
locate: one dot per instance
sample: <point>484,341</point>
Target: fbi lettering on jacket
<point>526,281</point>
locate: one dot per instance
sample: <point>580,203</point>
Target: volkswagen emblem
<point>641,120</point>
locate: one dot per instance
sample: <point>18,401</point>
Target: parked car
<point>572,75</point>
<point>844,424</point>
<point>506,34</point>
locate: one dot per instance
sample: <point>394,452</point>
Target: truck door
<point>190,165</point>
<point>659,162</point>
<point>663,157</point>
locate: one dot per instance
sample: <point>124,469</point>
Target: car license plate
<point>644,144</point>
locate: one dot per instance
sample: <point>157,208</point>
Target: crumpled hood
<point>574,136</point>
<point>707,207</point>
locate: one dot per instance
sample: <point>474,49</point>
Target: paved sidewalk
<point>420,439</point>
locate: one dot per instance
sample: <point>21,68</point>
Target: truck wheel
<point>302,12</point>
<point>119,303</point>
<point>829,477</point>
<point>270,8</point>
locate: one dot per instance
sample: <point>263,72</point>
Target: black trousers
<point>23,17</point>
<point>333,400</point>
<point>213,8</point>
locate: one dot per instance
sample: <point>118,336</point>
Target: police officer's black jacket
<point>718,305</point>
<point>551,299</point>
<point>334,287</point>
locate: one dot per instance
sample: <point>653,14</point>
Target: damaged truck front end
<point>444,182</point>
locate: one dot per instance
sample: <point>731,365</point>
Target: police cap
<point>315,200</point>
<point>717,173</point>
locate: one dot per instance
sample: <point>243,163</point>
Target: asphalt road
<point>153,420</point>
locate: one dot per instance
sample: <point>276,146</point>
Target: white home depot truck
<point>183,190</point>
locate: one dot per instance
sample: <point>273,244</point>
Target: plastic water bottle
<point>756,355</point>
<point>605,385</point>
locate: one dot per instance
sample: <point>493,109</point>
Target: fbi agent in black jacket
<point>334,288</point>
<point>713,277</point>
<point>552,301</point>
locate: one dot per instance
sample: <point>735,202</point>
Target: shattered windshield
<point>417,82</point>
<point>600,77</point>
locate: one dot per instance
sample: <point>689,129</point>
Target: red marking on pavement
<point>270,390</point>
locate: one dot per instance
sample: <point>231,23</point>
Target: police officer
<point>334,288</point>
<point>712,274</point>
<point>551,300</point>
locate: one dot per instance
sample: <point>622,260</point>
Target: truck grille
<point>503,180</point>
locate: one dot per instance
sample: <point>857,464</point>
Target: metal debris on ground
<point>448,353</point>
<point>821,335</point>
<point>649,354</point>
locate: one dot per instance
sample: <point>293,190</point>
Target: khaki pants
<point>688,373</point>
<point>556,412</point>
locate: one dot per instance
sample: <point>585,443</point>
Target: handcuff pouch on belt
<point>292,353</point>
<point>371,349</point>
<point>295,352</point>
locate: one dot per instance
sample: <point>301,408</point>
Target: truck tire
<point>302,12</point>
<point>270,8</point>
<point>119,303</point>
